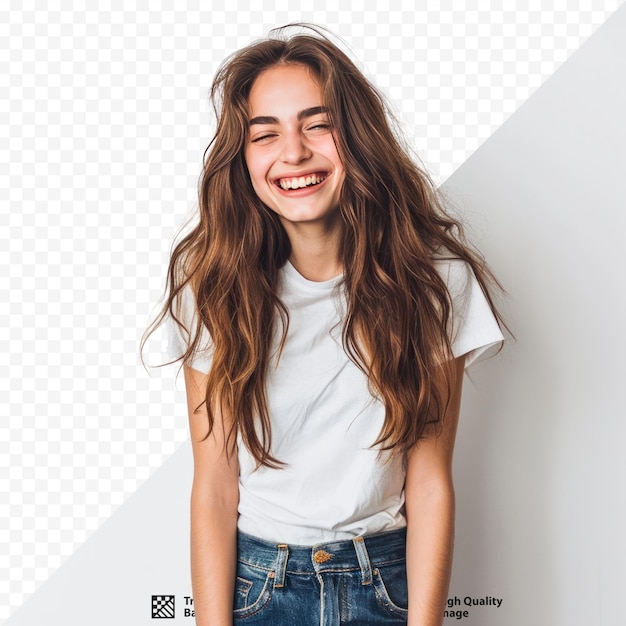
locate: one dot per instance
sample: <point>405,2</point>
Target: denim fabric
<point>361,582</point>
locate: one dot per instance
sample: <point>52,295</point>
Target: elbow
<point>218,502</point>
<point>431,498</point>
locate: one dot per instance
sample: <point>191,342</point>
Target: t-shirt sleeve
<point>178,339</point>
<point>474,330</point>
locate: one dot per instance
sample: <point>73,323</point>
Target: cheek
<point>333,156</point>
<point>256,167</point>
<point>257,174</point>
<point>252,172</point>
<point>249,162</point>
<point>341,174</point>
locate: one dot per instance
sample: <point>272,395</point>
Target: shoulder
<point>456,274</point>
<point>182,329</point>
<point>473,327</point>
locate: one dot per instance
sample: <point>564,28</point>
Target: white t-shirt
<point>324,420</point>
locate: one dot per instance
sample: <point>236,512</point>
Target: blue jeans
<point>361,582</point>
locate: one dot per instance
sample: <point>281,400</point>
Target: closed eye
<point>320,126</point>
<point>262,137</point>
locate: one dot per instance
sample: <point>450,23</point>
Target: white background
<point>105,118</point>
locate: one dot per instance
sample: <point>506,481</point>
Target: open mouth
<point>300,182</point>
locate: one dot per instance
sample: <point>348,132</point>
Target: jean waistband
<point>363,553</point>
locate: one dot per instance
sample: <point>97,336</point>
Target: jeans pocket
<point>253,590</point>
<point>391,589</point>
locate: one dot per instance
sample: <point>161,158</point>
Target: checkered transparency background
<point>104,121</point>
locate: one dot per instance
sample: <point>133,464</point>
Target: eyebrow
<point>269,119</point>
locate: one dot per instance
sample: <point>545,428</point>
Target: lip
<point>301,191</point>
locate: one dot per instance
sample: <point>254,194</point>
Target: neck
<point>315,253</point>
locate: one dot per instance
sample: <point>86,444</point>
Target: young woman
<point>325,307</point>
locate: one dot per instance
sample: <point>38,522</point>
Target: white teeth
<point>301,181</point>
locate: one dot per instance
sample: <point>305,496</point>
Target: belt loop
<point>281,565</point>
<point>364,560</point>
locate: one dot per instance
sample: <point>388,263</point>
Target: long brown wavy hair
<point>393,226</point>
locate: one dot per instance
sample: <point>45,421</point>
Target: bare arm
<point>214,499</point>
<point>429,495</point>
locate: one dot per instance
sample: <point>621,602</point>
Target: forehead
<point>284,90</point>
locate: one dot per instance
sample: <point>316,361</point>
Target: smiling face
<point>290,152</point>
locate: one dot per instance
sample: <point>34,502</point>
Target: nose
<point>294,148</point>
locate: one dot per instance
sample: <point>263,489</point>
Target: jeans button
<point>321,556</point>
